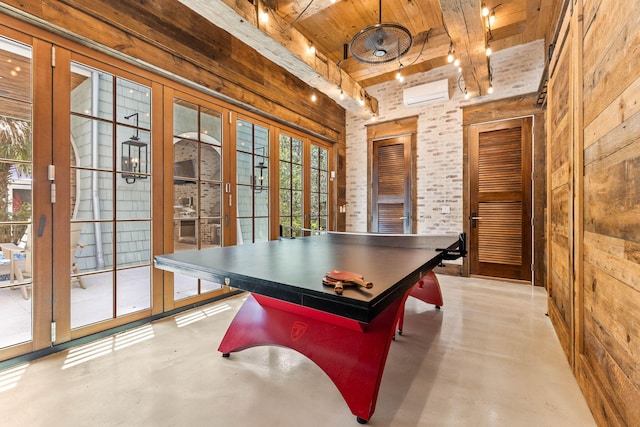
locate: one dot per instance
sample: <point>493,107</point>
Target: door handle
<point>474,219</point>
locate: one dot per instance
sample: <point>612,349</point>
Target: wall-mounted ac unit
<point>429,93</point>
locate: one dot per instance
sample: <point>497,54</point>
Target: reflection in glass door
<point>319,189</point>
<point>291,185</point>
<point>197,185</point>
<point>110,259</point>
<point>16,302</point>
<point>252,182</point>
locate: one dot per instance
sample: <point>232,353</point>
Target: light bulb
<point>341,95</point>
<point>312,49</point>
<point>450,58</point>
<point>490,90</point>
<point>492,18</point>
<point>314,98</point>
<point>467,95</point>
<point>485,10</point>
<point>460,69</point>
<point>456,62</point>
<point>488,51</point>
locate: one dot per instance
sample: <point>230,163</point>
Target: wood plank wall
<point>594,233</point>
<point>170,36</point>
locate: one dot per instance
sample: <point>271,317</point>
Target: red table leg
<point>351,353</point>
<point>428,290</point>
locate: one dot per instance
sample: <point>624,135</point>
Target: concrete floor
<point>490,357</point>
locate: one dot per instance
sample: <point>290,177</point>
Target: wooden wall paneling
<point>608,370</point>
<point>560,193</point>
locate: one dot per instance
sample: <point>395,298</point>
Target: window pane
<point>133,243</point>
<point>96,305</point>
<point>211,126</point>
<point>285,202</point>
<point>210,200</point>
<point>211,163</point>
<point>244,136</point>
<point>90,204</point>
<point>324,159</point>
<point>133,199</point>
<point>296,177</point>
<point>261,140</point>
<point>134,290</point>
<point>91,92</point>
<point>285,148</point>
<point>245,230</point>
<point>244,171</point>
<point>262,203</point>
<point>245,201</point>
<point>210,234</point>
<point>185,119</point>
<point>261,172</point>
<point>315,155</point>
<point>296,203</point>
<point>296,151</point>
<point>285,175</point>
<point>89,137</point>
<point>261,229</point>
<point>133,104</point>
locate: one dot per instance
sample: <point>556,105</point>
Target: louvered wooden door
<point>500,160</point>
<point>391,211</point>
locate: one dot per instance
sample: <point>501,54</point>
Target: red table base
<point>428,290</point>
<point>351,353</point>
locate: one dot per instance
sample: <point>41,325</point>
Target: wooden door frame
<point>511,108</point>
<point>385,130</point>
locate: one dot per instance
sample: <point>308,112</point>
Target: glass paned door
<point>291,186</point>
<point>16,293</point>
<point>110,155</point>
<point>319,189</point>
<point>197,187</point>
<point>252,182</point>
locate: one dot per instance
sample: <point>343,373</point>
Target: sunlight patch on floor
<point>105,346</point>
<point>197,315</point>
<point>10,378</point>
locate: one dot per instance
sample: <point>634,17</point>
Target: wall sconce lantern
<point>134,156</point>
<point>258,178</point>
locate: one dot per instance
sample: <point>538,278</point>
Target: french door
<point>304,185</point>
<point>23,192</point>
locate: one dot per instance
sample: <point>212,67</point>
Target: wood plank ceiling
<point>329,25</point>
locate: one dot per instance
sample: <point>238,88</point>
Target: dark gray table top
<point>292,269</point>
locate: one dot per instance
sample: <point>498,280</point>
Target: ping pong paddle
<point>338,286</point>
<point>341,278</point>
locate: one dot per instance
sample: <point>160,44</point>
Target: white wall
<point>516,71</point>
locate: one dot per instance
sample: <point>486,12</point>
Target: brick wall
<point>439,183</point>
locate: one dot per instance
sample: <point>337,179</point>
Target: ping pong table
<point>349,335</point>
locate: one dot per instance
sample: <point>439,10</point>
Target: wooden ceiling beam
<point>296,10</point>
<point>289,49</point>
<point>463,19</point>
